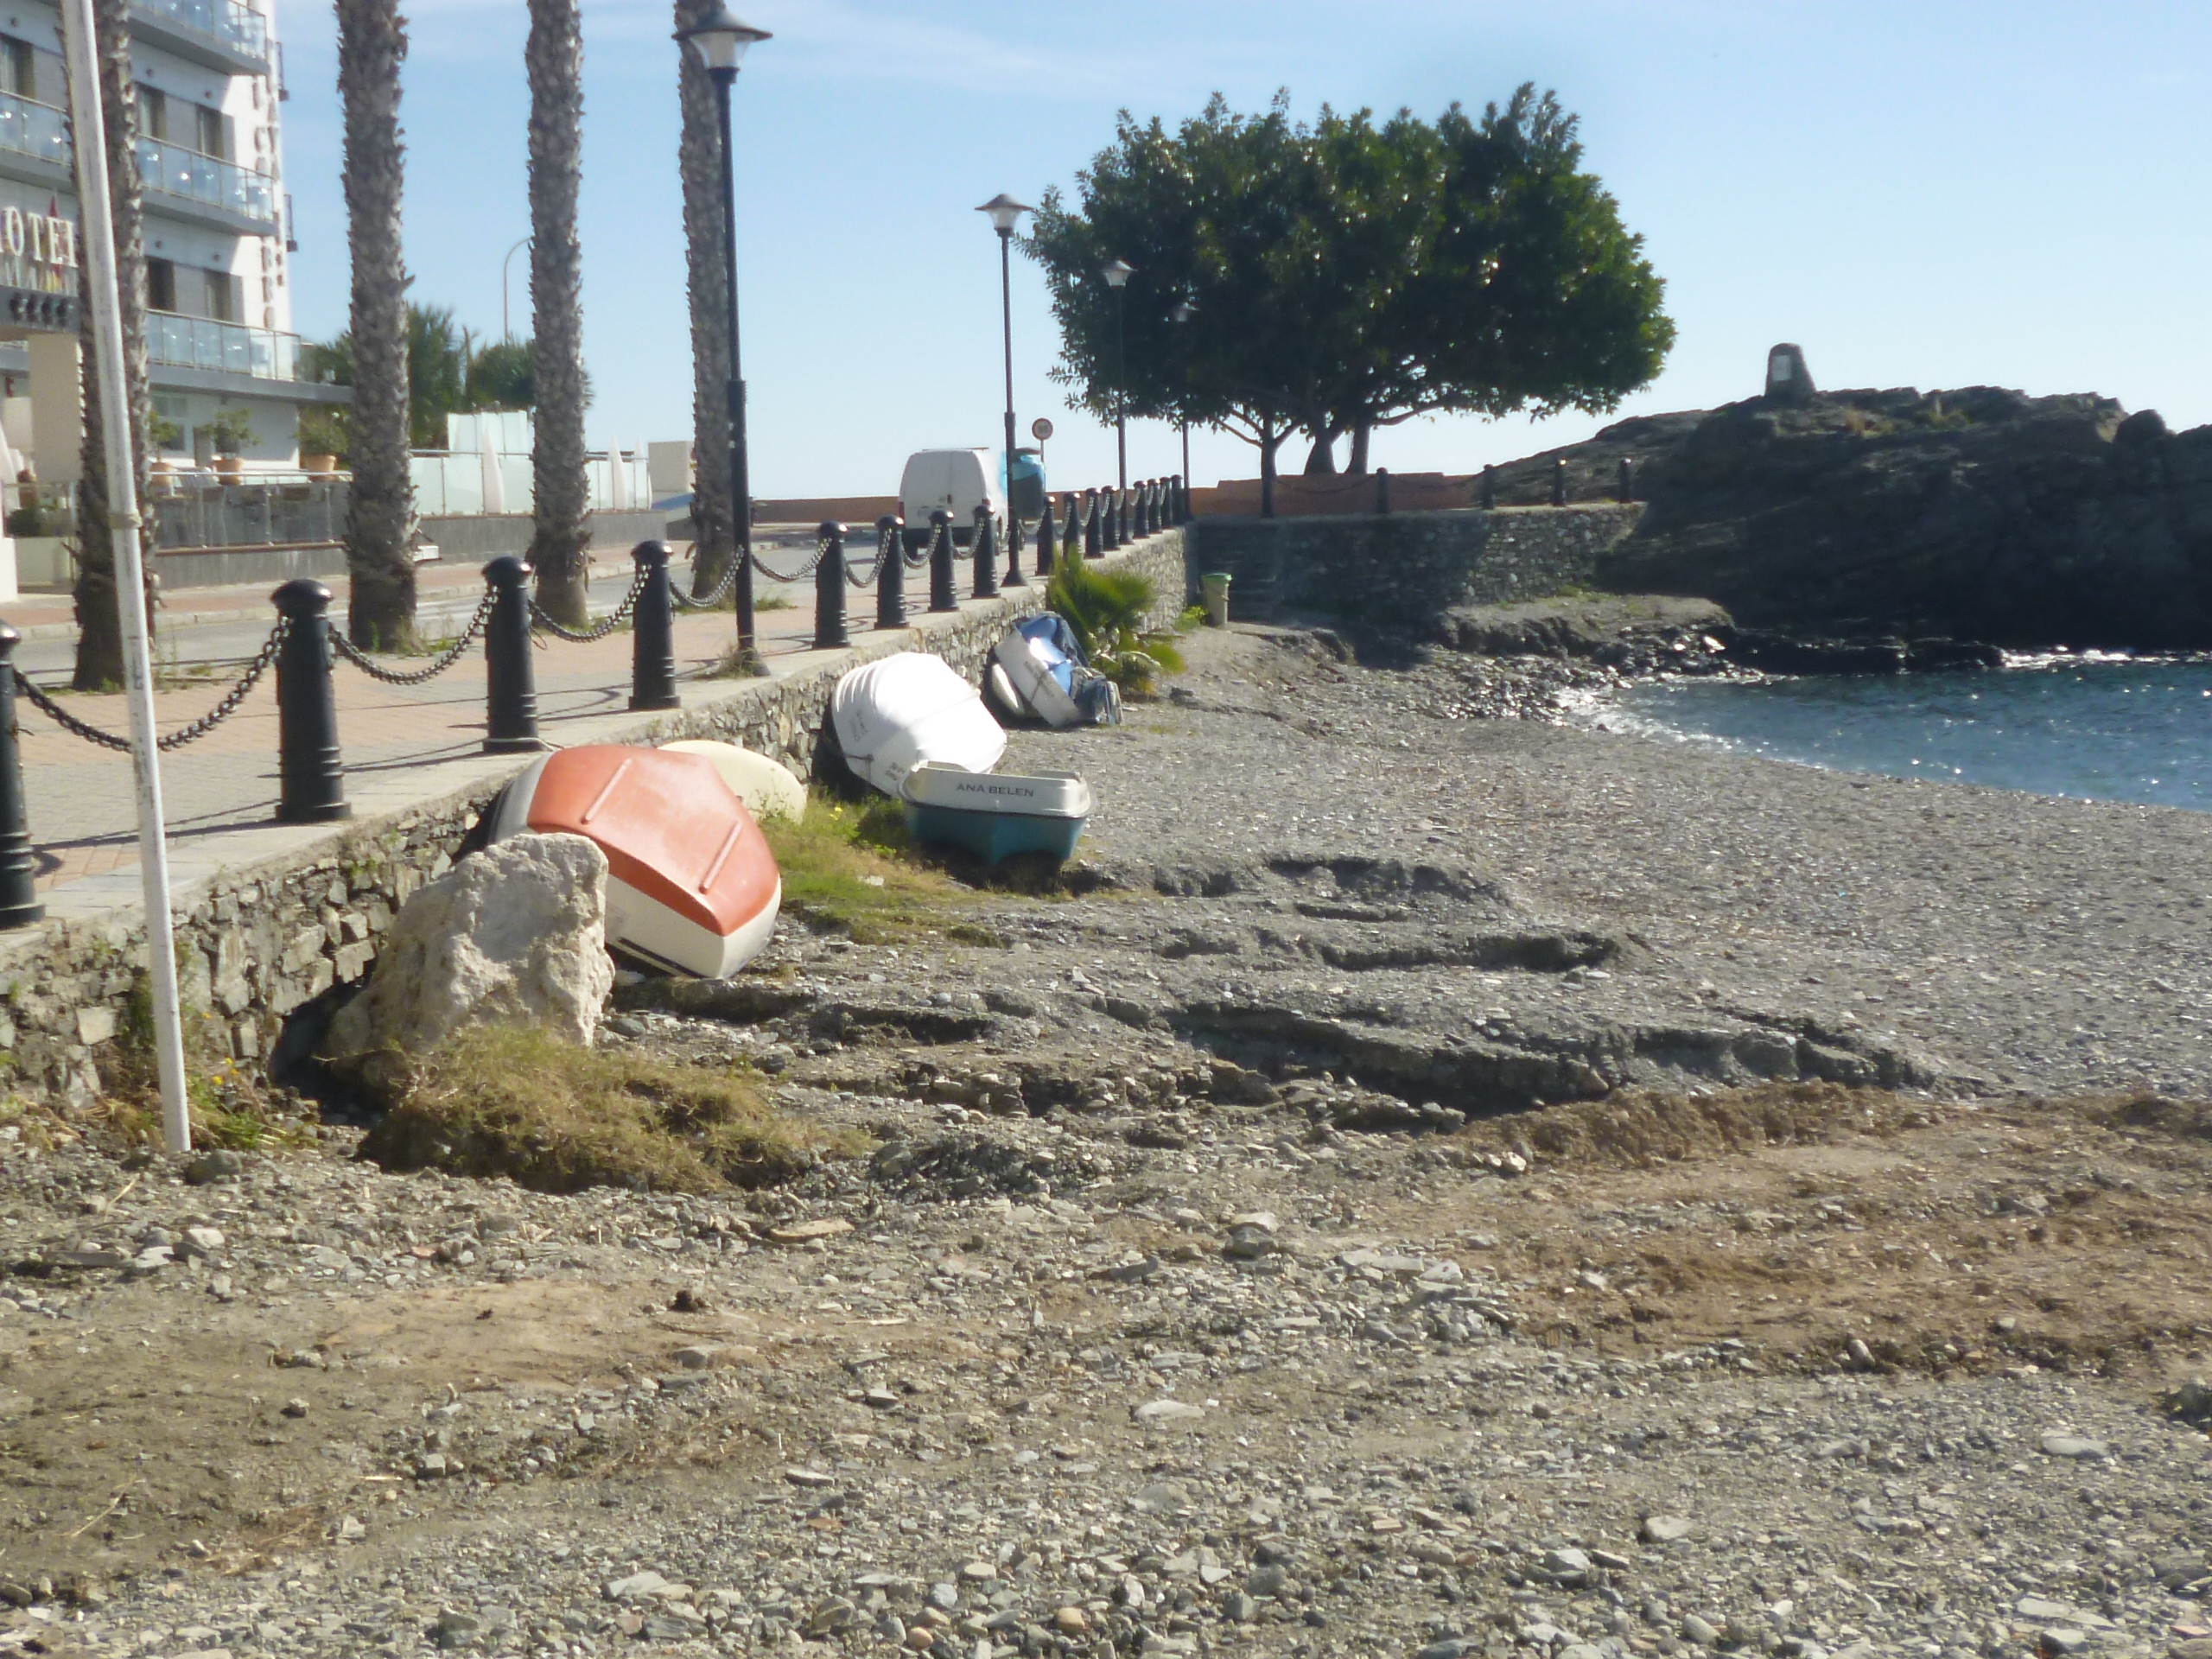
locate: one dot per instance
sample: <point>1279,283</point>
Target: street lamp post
<point>506,330</point>
<point>1185,309</point>
<point>1005,211</point>
<point>720,41</point>
<point>1117,276</point>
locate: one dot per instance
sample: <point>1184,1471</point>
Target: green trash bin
<point>1214,591</point>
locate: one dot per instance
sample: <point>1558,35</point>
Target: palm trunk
<point>699,161</point>
<point>99,625</point>
<point>555,59</point>
<point>371,45</point>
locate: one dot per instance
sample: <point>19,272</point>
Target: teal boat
<point>996,816</point>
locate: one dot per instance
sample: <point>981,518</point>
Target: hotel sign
<point>44,238</point>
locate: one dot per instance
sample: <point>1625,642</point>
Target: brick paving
<point>81,800</point>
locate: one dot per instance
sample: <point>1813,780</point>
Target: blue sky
<point>1937,194</point>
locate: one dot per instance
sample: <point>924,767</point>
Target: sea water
<point>2092,728</point>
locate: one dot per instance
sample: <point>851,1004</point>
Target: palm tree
<point>699,160</point>
<point>371,45</point>
<point>554,59</point>
<point>99,625</point>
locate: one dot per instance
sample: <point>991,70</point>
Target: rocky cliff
<point>1980,513</point>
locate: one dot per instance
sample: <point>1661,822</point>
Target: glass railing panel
<point>238,27</point>
<point>175,171</point>
<point>31,129</point>
<point>204,343</point>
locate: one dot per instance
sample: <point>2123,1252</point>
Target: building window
<point>225,301</point>
<point>161,284</point>
<point>171,408</point>
<point>211,133</point>
<point>18,67</point>
<point>153,112</point>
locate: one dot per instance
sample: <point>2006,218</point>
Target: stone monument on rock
<point>1787,379</point>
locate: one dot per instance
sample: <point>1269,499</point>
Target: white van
<point>957,481</point>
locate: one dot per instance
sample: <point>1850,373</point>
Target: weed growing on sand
<point>850,866</point>
<point>557,1118</point>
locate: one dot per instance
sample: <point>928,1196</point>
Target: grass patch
<point>556,1118</point>
<point>850,866</point>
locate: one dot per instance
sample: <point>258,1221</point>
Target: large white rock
<point>515,935</point>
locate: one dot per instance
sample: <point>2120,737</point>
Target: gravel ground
<point>1183,1309</point>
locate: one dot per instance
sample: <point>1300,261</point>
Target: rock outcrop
<point>1981,514</point>
<point>515,935</point>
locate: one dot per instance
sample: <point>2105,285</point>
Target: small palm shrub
<point>1107,609</point>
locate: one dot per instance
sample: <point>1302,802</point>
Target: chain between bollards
<point>311,772</point>
<point>652,631</point>
<point>510,680</point>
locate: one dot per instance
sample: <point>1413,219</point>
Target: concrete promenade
<point>402,744</point>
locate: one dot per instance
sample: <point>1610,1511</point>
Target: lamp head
<point>721,39</point>
<point>1118,273</point>
<point>1005,211</point>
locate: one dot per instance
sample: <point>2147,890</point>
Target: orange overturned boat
<point>692,885</point>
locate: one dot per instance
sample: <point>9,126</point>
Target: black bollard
<point>1094,524</point>
<point>1178,499</point>
<point>829,579</point>
<point>1490,489</point>
<point>510,679</point>
<point>1047,544</point>
<point>1124,517</point>
<point>985,550</point>
<point>652,636</point>
<point>1113,504</point>
<point>1013,576</point>
<point>943,595</point>
<point>1627,489</point>
<point>1148,507</point>
<point>19,905</point>
<point>311,774</point>
<point>1559,482</point>
<point>1071,532</point>
<point>890,571</point>
<point>1381,489</point>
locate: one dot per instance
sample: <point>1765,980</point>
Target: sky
<point>1937,194</point>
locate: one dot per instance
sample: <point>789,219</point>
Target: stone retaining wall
<point>255,943</point>
<point>1380,571</point>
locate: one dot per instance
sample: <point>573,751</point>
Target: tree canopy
<point>447,372</point>
<point>1350,273</point>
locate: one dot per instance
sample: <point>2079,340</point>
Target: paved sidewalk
<point>400,741</point>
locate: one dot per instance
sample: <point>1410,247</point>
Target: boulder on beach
<point>515,935</point>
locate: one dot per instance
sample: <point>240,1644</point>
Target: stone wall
<point>1380,571</point>
<point>255,943</point>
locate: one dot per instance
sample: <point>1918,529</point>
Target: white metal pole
<point>103,294</point>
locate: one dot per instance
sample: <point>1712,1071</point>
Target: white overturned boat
<point>1038,669</point>
<point>691,883</point>
<point>907,710</point>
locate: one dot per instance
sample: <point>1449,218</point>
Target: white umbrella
<point>495,483</point>
<point>618,494</point>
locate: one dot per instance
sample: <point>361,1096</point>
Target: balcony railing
<point>238,27</point>
<point>176,171</point>
<point>31,129</point>
<point>231,347</point>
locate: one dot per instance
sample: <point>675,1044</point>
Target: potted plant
<point>229,433</point>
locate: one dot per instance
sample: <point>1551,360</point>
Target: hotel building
<point>210,158</point>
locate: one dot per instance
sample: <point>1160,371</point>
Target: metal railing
<point>197,510</point>
<point>237,27</point>
<point>175,171</point>
<point>204,343</point>
<point>33,128</point>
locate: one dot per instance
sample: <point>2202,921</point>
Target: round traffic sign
<point>1041,429</point>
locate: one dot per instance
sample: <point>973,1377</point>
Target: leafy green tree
<point>439,353</point>
<point>1349,274</point>
<point>504,375</point>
